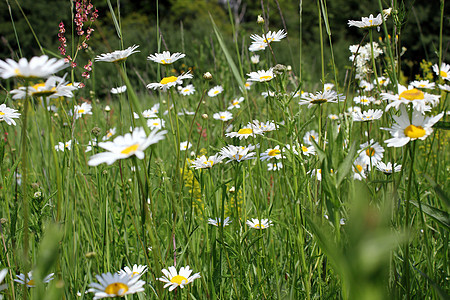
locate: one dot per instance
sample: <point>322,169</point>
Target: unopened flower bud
<point>107,108</point>
<point>207,76</point>
<point>90,255</point>
<point>232,189</point>
<point>260,20</point>
<point>96,131</point>
<point>205,116</point>
<point>37,195</point>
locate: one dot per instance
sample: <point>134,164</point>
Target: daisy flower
<point>264,127</point>
<point>135,271</point>
<point>367,22</point>
<point>371,154</point>
<point>2,276</point>
<point>445,87</point>
<point>218,221</point>
<point>53,87</point>
<point>109,134</point>
<point>125,146</point>
<point>257,46</point>
<point>236,153</point>
<point>168,82</point>
<point>423,84</point>
<point>185,146</point>
<point>187,90</point>
<point>370,115</point>
<point>363,100</point>
<point>215,91</point>
<point>165,58</point>
<point>333,117</point>
<point>29,281</point>
<point>245,132</point>
<point>407,95</point>
<point>62,146</point>
<point>268,38</point>
<point>309,136</point>
<point>388,168</point>
<point>366,86</point>
<point>274,166</point>
<point>254,59</point>
<point>307,151</point>
<point>319,98</point>
<point>118,55</point>
<point>272,153</point>
<point>328,86</point>
<point>116,285</point>
<point>359,169</point>
<point>223,116</point>
<point>268,94</point>
<point>248,84</point>
<point>383,81</point>
<point>259,224</point>
<point>203,162</point>
<point>405,130</point>
<point>156,123</point>
<point>83,109</point>
<point>174,279</point>
<point>8,114</point>
<point>443,72</point>
<point>119,89</point>
<point>235,103</point>
<point>37,67</point>
<point>261,75</point>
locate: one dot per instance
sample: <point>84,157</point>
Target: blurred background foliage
<point>185,26</point>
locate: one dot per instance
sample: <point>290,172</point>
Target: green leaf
<point>230,61</point>
<point>346,165</point>
<point>439,192</point>
<point>437,214</point>
<point>113,15</point>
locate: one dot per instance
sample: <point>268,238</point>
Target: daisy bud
<point>207,76</point>
<point>205,116</point>
<point>260,20</point>
<point>3,221</point>
<point>289,68</point>
<point>35,185</point>
<point>107,108</point>
<point>105,172</point>
<point>192,153</point>
<point>96,131</point>
<point>37,195</point>
<point>232,189</point>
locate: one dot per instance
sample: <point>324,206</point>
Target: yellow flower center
<point>266,77</point>
<point>179,279</point>
<point>164,62</point>
<point>370,151</point>
<point>209,162</point>
<point>81,111</point>
<point>304,149</point>
<point>31,282</point>
<point>130,149</point>
<point>167,80</point>
<point>186,90</point>
<point>360,168</point>
<point>364,100</point>
<point>109,134</point>
<point>268,40</point>
<point>247,84</point>
<point>319,101</point>
<point>245,131</point>
<point>443,74</point>
<point>235,103</point>
<point>413,94</point>
<point>274,152</point>
<point>240,157</point>
<point>116,288</point>
<point>260,226</point>
<point>134,273</point>
<point>1,113</point>
<point>222,117</point>
<point>422,85</point>
<point>414,132</point>
<point>16,71</point>
<point>216,92</point>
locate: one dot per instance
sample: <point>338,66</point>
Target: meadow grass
<point>338,225</point>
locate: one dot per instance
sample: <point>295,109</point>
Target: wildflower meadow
<point>250,162</point>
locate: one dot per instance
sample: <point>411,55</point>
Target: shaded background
<point>186,27</point>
